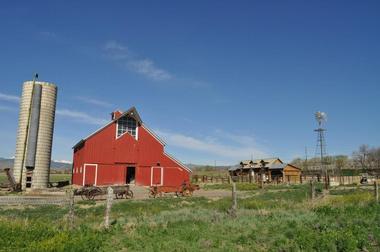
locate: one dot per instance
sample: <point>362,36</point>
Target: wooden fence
<point>210,179</point>
<point>334,180</point>
<point>222,179</point>
<point>67,200</point>
<point>33,200</point>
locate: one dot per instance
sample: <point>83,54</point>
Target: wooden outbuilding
<point>273,169</point>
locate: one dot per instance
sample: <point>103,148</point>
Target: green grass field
<point>275,219</point>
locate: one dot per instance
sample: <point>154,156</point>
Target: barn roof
<point>132,112</point>
<point>178,162</point>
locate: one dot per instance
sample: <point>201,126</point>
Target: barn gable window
<point>127,124</point>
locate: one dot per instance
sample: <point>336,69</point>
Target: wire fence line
<point>66,203</point>
<point>32,200</point>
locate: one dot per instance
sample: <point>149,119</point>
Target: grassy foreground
<point>280,219</point>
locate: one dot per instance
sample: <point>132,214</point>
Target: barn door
<point>89,174</point>
<point>157,176</point>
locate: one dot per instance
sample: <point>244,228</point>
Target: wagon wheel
<point>92,193</point>
<point>90,196</point>
<point>152,193</point>
<point>83,196</point>
<point>119,195</point>
<point>186,193</point>
<point>128,194</point>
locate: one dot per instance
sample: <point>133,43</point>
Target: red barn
<point>125,151</point>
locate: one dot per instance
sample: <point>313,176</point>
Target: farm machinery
<point>185,190</point>
<point>90,192</point>
<point>11,185</point>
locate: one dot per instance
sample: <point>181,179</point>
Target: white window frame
<point>117,129</point>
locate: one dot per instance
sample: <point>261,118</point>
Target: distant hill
<point>56,165</point>
<point>207,167</point>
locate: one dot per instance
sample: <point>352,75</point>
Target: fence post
<point>312,189</point>
<point>234,201</point>
<point>376,191</point>
<point>229,179</point>
<point>71,208</point>
<point>108,207</point>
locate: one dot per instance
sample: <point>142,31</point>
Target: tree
<point>361,156</point>
<point>341,162</point>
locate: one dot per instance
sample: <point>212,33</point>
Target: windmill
<point>321,118</point>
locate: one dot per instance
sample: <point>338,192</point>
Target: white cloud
<point>63,161</point>
<point>116,51</point>
<point>94,101</point>
<point>237,147</point>
<point>75,115</point>
<point>113,45</point>
<point>144,66</point>
<point>80,116</point>
<point>10,98</point>
<point>48,34</point>
<point>149,69</point>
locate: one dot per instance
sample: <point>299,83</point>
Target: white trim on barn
<point>178,162</point>
<point>84,173</point>
<point>153,134</point>
<point>161,178</point>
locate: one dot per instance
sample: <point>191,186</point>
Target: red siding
<point>100,147</point>
<point>89,171</point>
<point>111,174</point>
<point>113,155</point>
<point>126,149</point>
<point>152,149</point>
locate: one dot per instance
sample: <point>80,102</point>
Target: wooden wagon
<point>90,192</point>
<point>184,190</point>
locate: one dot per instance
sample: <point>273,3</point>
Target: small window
<point>80,171</point>
<point>127,124</point>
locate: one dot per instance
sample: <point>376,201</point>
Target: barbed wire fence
<point>12,204</point>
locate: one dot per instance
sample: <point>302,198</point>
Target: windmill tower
<point>320,150</point>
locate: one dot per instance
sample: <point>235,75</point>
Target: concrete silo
<point>35,134</point>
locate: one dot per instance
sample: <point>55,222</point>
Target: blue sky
<point>217,80</point>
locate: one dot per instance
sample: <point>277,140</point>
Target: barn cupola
<point>128,122</point>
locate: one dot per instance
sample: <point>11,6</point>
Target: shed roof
<point>277,166</point>
<point>256,163</point>
<point>270,166</point>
